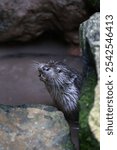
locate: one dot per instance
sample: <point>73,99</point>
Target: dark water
<point>19,83</point>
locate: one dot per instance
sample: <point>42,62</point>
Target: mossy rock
<point>87,139</point>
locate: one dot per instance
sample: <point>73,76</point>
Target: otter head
<point>55,73</point>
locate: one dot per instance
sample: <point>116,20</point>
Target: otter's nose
<point>46,68</point>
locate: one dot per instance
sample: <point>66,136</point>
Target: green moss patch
<point>87,140</point>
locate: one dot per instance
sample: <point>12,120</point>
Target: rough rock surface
<point>23,20</point>
<point>33,128</point>
<point>90,41</point>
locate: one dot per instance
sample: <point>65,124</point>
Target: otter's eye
<point>46,68</point>
<point>59,70</point>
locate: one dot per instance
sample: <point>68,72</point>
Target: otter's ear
<point>72,78</point>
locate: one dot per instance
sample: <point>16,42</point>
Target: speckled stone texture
<point>33,128</point>
<point>23,20</point>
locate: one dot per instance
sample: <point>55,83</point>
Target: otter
<point>64,85</point>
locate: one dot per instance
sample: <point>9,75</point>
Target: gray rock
<point>33,128</point>
<point>90,38</point>
<point>90,43</point>
<point>23,20</point>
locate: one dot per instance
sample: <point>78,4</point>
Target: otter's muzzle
<point>41,72</point>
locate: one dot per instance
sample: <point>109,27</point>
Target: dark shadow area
<point>47,44</point>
